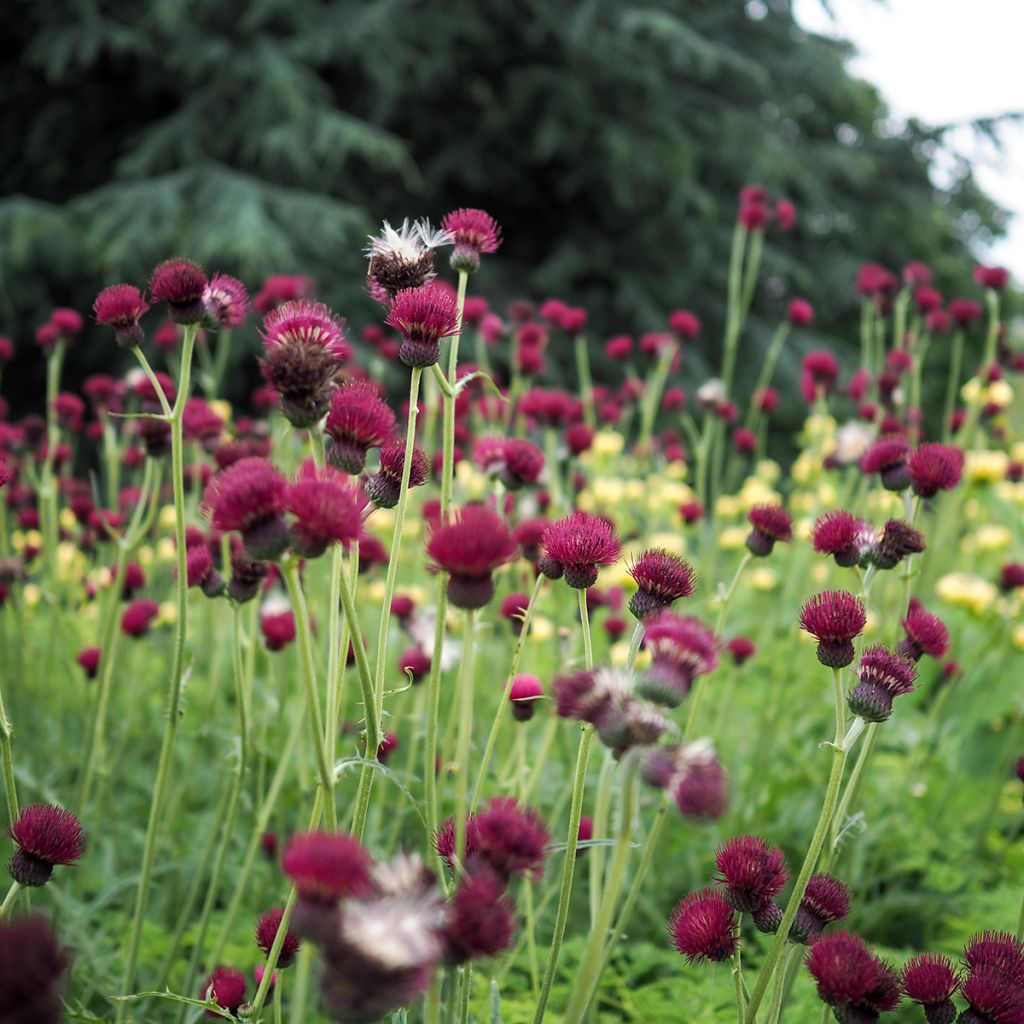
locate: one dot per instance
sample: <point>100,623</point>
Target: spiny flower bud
<point>122,306</point>
<point>881,677</point>
<point>899,539</point>
<point>752,872</point>
<point>46,836</point>
<point>423,316</point>
<point>834,618</point>
<point>661,579</point>
<point>180,283</point>
<point>771,524</point>
<point>473,232</point>
<point>703,927</point>
<point>469,546</point>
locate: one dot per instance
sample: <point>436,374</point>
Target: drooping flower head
<point>925,634</point>
<point>934,467</point>
<point>692,775</point>
<point>752,872</point>
<point>825,900</point>
<point>469,546</point>
<point>250,496</point>
<point>843,536</point>
<point>226,987</point>
<point>479,920</point>
<point>852,980</point>
<point>931,980</point>
<point>703,927</point>
<point>661,579</point>
<point>834,618</point>
<point>576,546</point>
<point>423,316</point>
<point>402,257</point>
<point>46,836</point>
<point>771,525</point>
<point>180,283</point>
<point>473,232</point>
<point>266,931</point>
<point>31,966</point>
<point>515,461</point>
<point>510,838</point>
<point>359,419</point>
<point>226,303</point>
<point>882,676</point>
<point>385,486</point>
<point>898,540</point>
<point>682,648</point>
<point>199,571</point>
<point>122,306</point>
<point>327,508</point>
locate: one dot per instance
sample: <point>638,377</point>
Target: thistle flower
<point>925,634</point>
<point>825,900</point>
<point>703,927</point>
<point>385,486</point>
<point>31,965</point>
<point>684,324</point>
<point>180,283</point>
<point>843,536</point>
<point>358,420</point>
<point>964,312</point>
<point>266,931</point>
<point>326,867</point>
<point>469,546</point>
<point>226,987</point>
<point>89,661</point>
<point>513,609</point>
<point>995,278</point>
<point>771,525</point>
<point>931,981</point>
<point>855,983</point>
<point>225,302</point>
<point>201,573</point>
<point>414,663</point>
<point>692,775</point>
<point>800,312</point>
<point>327,509</point>
<point>250,497</point>
<point>834,618</point>
<point>992,998</point>
<point>122,306</point>
<point>281,288</point>
<point>278,629</point>
<point>881,677</point>
<point>997,951</point>
<point>741,648</point>
<point>752,872</point>
<point>402,257</point>
<point>579,438</point>
<point>46,836</point>
<point>888,458</point>
<point>516,462</point>
<point>898,540</point>
<point>681,648</point>
<point>576,546</point>
<point>1011,577</point>
<point>423,316</point>
<point>473,232</point>
<point>524,693</point>
<point>138,615</point>
<point>511,839</point>
<point>444,839</point>
<point>820,369</point>
<point>661,579</point>
<point>479,921</point>
<point>935,467</point>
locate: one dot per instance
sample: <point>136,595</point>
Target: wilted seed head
<point>358,420</point>
<point>469,546</point>
<point>703,927</point>
<point>931,980</point>
<point>935,467</point>
<point>925,634</point>
<point>423,316</point>
<point>834,618</point>
<point>326,867</point>
<point>266,931</point>
<point>882,675</point>
<point>752,872</point>
<point>840,535</point>
<point>226,303</point>
<point>855,983</point>
<point>180,283</point>
<point>385,486</point>
<point>473,232</point>
<point>899,539</point>
<point>226,987</point>
<point>402,257</point>
<point>31,965</point>
<point>888,458</point>
<point>771,524</point>
<point>576,546</point>
<point>46,836</point>
<point>511,838</point>
<point>249,496</point>
<point>479,921</point>
<point>825,900</point>
<point>661,578</point>
<point>122,306</point>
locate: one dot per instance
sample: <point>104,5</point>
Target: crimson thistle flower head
<point>423,316</point>
<point>898,540</point>
<point>888,458</point>
<point>479,920</point>
<point>278,628</point>
<point>852,980</point>
<point>199,571</point>
<point>515,461</point>
<point>359,419</point>
<point>281,288</point>
<point>31,965</point>
<point>226,987</point>
<point>825,900</point>
<point>138,615</point>
<point>752,872</point>
<point>771,525</point>
<point>510,838</point>
<point>326,867</point>
<point>931,980</point>
<point>122,306</point>
<point>843,536</point>
<point>402,257</point>
<point>574,547</point>
<point>250,497</point>
<point>225,302</point>
<point>89,661</point>
<point>692,775</point>
<point>741,649</point>
<point>661,579</point>
<point>934,467</point>
<point>266,931</point>
<point>834,618</point>
<point>180,283</point>
<point>682,648</point>
<point>1011,577</point>
<point>925,634</point>
<point>46,836</point>
<point>473,232</point>
<point>524,693</point>
<point>327,509</point>
<point>882,676</point>
<point>385,486</point>
<point>995,278</point>
<point>469,546</point>
<point>964,312</point>
<point>703,927</point>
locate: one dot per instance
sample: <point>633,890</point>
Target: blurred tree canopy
<point>608,137</point>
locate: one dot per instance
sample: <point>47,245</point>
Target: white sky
<point>944,61</point>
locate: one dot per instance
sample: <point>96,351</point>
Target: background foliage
<point>608,137</point>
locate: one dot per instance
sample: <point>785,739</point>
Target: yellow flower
<point>676,471</point>
<point>673,542</point>
<point>804,467</point>
<point>376,591</point>
<point>986,466</point>
<point>166,517</point>
<point>609,491</point>
<point>1000,393</point>
<point>585,501</point>
<point>31,595</point>
<point>728,506</point>
<point>802,528</point>
<point>964,590</point>
<point>144,556</point>
<point>768,470</point>
<point>757,492</point>
<point>165,550</point>
<point>1018,637</point>
<point>222,409</point>
<point>991,537</point>
<point>412,527</point>
<point>608,442</point>
<point>763,579</point>
<point>820,572</point>
<point>673,493</point>
<point>636,489</point>
<point>618,654</point>
<point>871,624</point>
<point>827,495</point>
<point>383,520</point>
<point>733,538</point>
<point>168,613</point>
<point>542,629</point>
<point>67,519</point>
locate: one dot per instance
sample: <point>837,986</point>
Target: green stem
<point>764,380</point>
<point>448,451</point>
<point>47,484</point>
<point>779,988</point>
<point>652,395</point>
<point>10,788</point>
<point>174,685</point>
<point>966,434</point>
<point>585,381</point>
<point>952,384</point>
<point>433,710</point>
<point>12,895</point>
<point>733,304</point>
<point>588,647</point>
<point>465,711</point>
<point>736,967</point>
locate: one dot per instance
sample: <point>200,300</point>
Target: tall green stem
<point>585,381</point>
<point>47,483</point>
<point>465,711</point>
<point>652,396</point>
<point>952,384</point>
<point>10,788</point>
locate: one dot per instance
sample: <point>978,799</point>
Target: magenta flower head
<point>201,573</point>
<point>180,283</point>
<point>898,540</point>
<point>576,546</point>
<point>510,838</point>
<point>46,836</point>
<point>226,987</point>
<point>514,461</point>
<point>852,980</point>
<point>326,867</point>
<point>226,303</point>
<point>935,467</point>
<point>825,900</point>
<point>882,676</point>
<point>888,458</point>
<point>469,546</point>
<point>402,258</point>
<point>327,509</point>
<point>526,690</point>
<point>692,775</point>
<point>473,233</point>
<point>513,609</point>
<point>931,980</point>
<point>834,618</point>
<point>122,306</point>
<point>138,615</point>
<point>995,278</point>
<point>1011,577</point>
<point>479,921</point>
<point>266,931</point>
<point>385,486</point>
<point>278,629</point>
<point>752,872</point>
<point>681,648</point>
<point>89,661</point>
<point>964,312</point>
<point>303,349</point>
<point>358,420</point>
<point>661,579</point>
<point>843,536</point>
<point>250,497</point>
<point>800,312</point>
<point>703,927</point>
<point>741,648</point>
<point>423,316</point>
<point>31,966</point>
<point>771,525</point>
<point>924,634</point>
